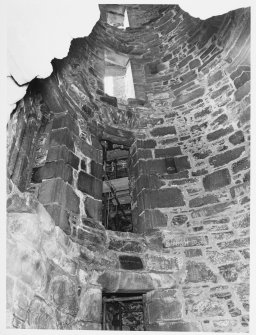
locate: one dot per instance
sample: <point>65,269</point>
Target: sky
<point>40,30</point>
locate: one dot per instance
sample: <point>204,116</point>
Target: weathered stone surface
<point>57,153</point>
<point>201,201</point>
<point>236,243</point>
<point>89,185</point>
<point>226,157</point>
<point>52,170</point>
<point>215,78</point>
<point>242,164</point>
<point>208,308</point>
<point>163,263</point>
<point>62,137</point>
<point>178,326</point>
<point>72,200</point>
<point>63,293</point>
<point>126,246</point>
<point>242,91</point>
<point>162,131</point>
<point>239,190</point>
<point>179,220</point>
<point>199,272</point>
<point>217,257</point>
<point>188,241</point>
<point>182,163</point>
<point>130,262</point>
<point>184,98</point>
<point>219,133</point>
<point>217,179</point>
<point>232,272</point>
<point>64,120</point>
<point>150,219</point>
<point>167,152</point>
<point>93,208</point>
<point>236,138</point>
<point>164,309</point>
<point>146,144</point>
<point>109,100</point>
<point>41,316</point>
<point>193,253</point>
<point>90,305</point>
<point>212,210</point>
<point>169,197</point>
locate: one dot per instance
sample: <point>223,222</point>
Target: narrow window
<point>116,200</point>
<point>123,311</point>
<point>118,80</point>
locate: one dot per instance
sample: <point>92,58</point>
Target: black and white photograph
<point>128,166</point>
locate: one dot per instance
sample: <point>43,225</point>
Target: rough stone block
<point>217,179</point>
<point>207,199</point>
<point>64,120</point>
<point>93,208</point>
<point>72,200</point>
<point>89,185</point>
<point>226,157</point>
<point>52,191</point>
<point>232,272</point>
<point>236,138</point>
<point>242,91</point>
<point>41,315</point>
<point>126,246</point>
<point>193,253</point>
<point>216,257</point>
<point>182,163</point>
<point>60,217</point>
<point>64,294</point>
<point>215,77</point>
<point>219,133</point>
<point>180,241</point>
<point>109,100</point>
<point>235,244</point>
<point>179,220</point>
<point>240,190</point>
<point>184,98</point>
<point>52,170</point>
<point>146,144</point>
<point>150,219</point>
<point>212,210</point>
<point>162,131</point>
<point>130,262</point>
<point>242,164</point>
<point>168,152</point>
<point>62,137</point>
<point>148,182</point>
<point>194,63</point>
<point>170,197</point>
<point>208,308</point>
<point>198,272</point>
<point>96,170</point>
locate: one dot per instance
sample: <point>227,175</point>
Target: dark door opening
<point>116,200</point>
<point>123,312</point>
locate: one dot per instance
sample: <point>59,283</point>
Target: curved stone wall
<point>188,132</point>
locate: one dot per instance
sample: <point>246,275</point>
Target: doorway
<point>123,311</point>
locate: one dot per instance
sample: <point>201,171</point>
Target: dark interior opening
<point>116,200</point>
<point>123,311</point>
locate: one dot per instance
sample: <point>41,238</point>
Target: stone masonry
<point>189,176</point>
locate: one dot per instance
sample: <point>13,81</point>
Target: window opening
<point>118,79</point>
<point>123,311</point>
<point>116,200</point>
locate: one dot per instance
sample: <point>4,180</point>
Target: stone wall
<point>188,133</point>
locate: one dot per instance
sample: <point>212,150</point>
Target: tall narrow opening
<point>118,79</point>
<point>123,311</point>
<point>116,200</point>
